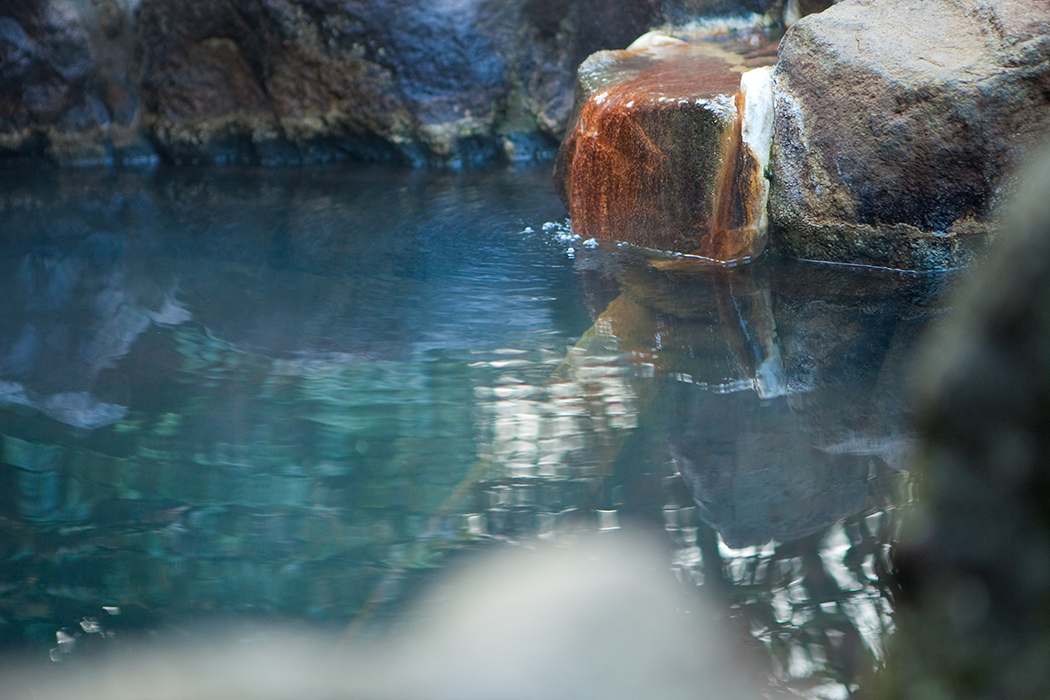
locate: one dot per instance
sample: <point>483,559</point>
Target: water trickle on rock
<point>669,148</point>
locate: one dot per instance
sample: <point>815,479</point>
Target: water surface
<point>296,394</point>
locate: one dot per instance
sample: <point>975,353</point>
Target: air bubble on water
<point>590,243</point>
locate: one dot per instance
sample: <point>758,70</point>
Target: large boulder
<point>668,146</point>
<point>898,125</point>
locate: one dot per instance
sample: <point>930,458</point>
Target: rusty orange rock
<point>656,158</point>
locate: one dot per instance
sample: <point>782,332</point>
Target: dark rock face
<point>451,82</point>
<point>62,89</point>
<point>299,81</point>
<point>974,565</point>
<point>310,81</point>
<point>898,124</point>
<point>46,67</point>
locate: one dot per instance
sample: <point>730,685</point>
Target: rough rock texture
<point>285,81</point>
<point>64,85</point>
<point>898,125</point>
<point>975,562</point>
<point>294,81</point>
<point>655,155</point>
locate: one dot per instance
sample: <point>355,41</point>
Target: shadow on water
<point>293,394</point>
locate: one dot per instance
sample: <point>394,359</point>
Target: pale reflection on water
<point>276,395</point>
<point>776,463</point>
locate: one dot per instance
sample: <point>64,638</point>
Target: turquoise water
<point>231,394</point>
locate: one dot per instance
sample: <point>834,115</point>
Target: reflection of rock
<point>753,470</point>
<point>77,408</point>
<point>309,272</point>
<point>785,383</point>
<point>898,123</point>
<point>70,314</point>
<point>668,149</point>
<point>974,566</point>
<point>717,329</point>
<point>845,333</point>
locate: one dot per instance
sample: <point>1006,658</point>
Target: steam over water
<point>298,396</point>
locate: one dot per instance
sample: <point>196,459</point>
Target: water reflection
<point>274,394</point>
<point>762,412</point>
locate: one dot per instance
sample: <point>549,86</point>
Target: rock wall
<point>301,81</point>
<point>66,91</point>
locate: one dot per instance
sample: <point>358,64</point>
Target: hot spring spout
<point>669,149</point>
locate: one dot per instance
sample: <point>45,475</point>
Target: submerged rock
<point>898,126</point>
<point>668,149</point>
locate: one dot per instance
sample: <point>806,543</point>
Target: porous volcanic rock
<point>659,154</point>
<point>898,125</point>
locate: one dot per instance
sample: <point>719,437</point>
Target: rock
<point>301,81</point>
<point>64,87</point>
<point>589,619</point>
<point>668,149</point>
<point>297,81</point>
<point>898,126</point>
<point>974,563</point>
<point>287,81</point>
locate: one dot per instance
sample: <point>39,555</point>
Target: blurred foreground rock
<point>975,562</point>
<point>898,126</point>
<point>603,619</point>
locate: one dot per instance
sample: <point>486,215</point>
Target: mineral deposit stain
<point>656,158</point>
